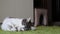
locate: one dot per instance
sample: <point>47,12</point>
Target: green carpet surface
<point>39,30</point>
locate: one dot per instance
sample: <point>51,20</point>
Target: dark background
<point>53,7</point>
<point>56,10</point>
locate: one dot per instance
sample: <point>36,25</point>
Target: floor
<point>39,30</point>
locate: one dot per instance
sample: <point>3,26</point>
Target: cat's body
<point>16,24</point>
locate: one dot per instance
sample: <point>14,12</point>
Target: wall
<point>16,8</point>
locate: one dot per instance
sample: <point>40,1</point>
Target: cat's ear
<point>29,19</point>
